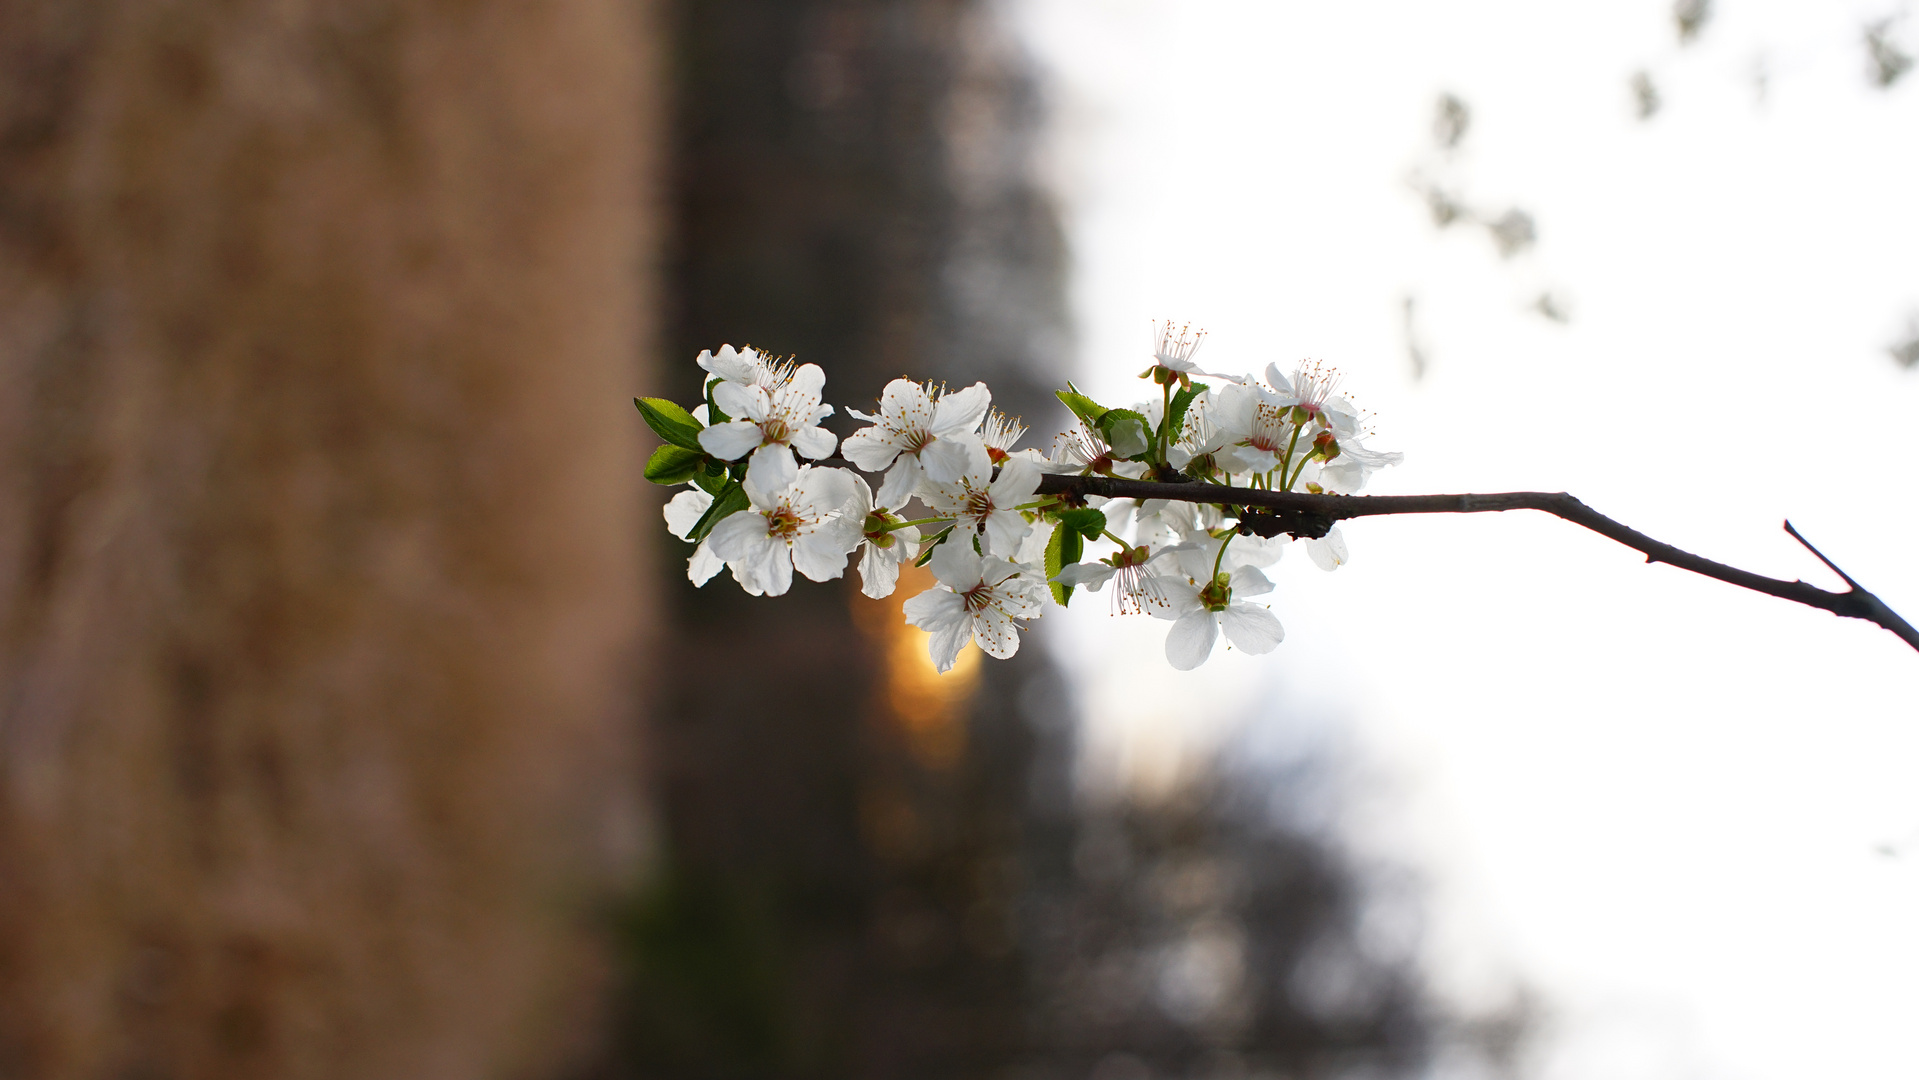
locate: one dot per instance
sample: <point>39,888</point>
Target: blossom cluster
<point>999,549</point>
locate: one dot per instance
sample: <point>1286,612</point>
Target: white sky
<point>1653,796</point>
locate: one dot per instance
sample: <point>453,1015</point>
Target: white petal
<point>1278,381</point>
<point>1004,530</point>
<point>732,440</point>
<point>1170,598</point>
<point>1248,581</point>
<point>1089,574</point>
<point>815,442</point>
<point>703,565</point>
<point>821,556</point>
<point>997,634</point>
<point>738,537</point>
<point>871,448</point>
<point>956,563</point>
<point>961,411</point>
<point>808,380</point>
<point>880,570</point>
<point>950,457</point>
<point>1328,553</point>
<point>1018,481</point>
<point>738,400</point>
<point>772,573</point>
<point>684,511</point>
<point>730,364</point>
<point>1190,641</point>
<point>947,641</point>
<point>934,608</point>
<point>906,406</point>
<point>902,481</point>
<point>771,471</point>
<point>1251,628</point>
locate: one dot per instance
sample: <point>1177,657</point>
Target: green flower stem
<point>1221,557</point>
<point>915,523</point>
<point>1288,459</point>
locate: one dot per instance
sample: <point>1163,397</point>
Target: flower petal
<point>1190,641</point>
<point>739,536</point>
<point>997,634</point>
<point>732,440</point>
<point>815,442</point>
<point>960,412</point>
<point>1089,574</point>
<point>684,511</point>
<point>821,555</point>
<point>1328,553</point>
<point>740,400</point>
<point>1251,628</point>
<point>1169,597</point>
<point>771,471</point>
<point>880,570</point>
<point>703,565</point>
<point>1248,581</point>
<point>902,481</point>
<point>871,448</point>
<point>950,457</point>
<point>955,563</point>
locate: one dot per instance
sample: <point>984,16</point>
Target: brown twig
<point>1303,514</point>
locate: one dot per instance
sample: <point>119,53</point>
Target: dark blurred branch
<point>1306,515</point>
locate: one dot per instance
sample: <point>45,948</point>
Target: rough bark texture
<point>318,507</point>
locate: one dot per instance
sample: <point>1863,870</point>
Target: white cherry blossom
<point>917,433</point>
<point>1200,612</point>
<point>746,366</point>
<point>803,526</point>
<point>1174,349</point>
<point>771,423</point>
<point>989,507</point>
<point>882,549</point>
<point>978,599</point>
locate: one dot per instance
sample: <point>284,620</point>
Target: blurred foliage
<point>1689,17</point>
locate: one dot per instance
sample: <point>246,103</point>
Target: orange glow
<point>930,708</point>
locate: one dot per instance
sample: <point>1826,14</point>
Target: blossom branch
<point>1307,515</point>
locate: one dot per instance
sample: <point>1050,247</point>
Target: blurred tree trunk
<point>318,507</point>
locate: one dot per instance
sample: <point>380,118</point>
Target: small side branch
<point>1303,514</point>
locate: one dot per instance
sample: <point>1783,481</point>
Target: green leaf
<point>712,477</point>
<point>731,500</point>
<point>1085,521</point>
<point>1127,433</point>
<point>1062,551</point>
<point>714,414</point>
<point>674,464</point>
<point>930,544</point>
<point>1083,407</point>
<point>1176,415</point>
<point>670,422</point>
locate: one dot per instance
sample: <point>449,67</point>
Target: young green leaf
<point>1083,407</point>
<point>712,477</point>
<point>674,464</point>
<point>1087,521</point>
<point>1176,415</point>
<point>1062,551</point>
<point>730,500</point>
<point>714,414</point>
<point>1127,433</point>
<point>670,422</point>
